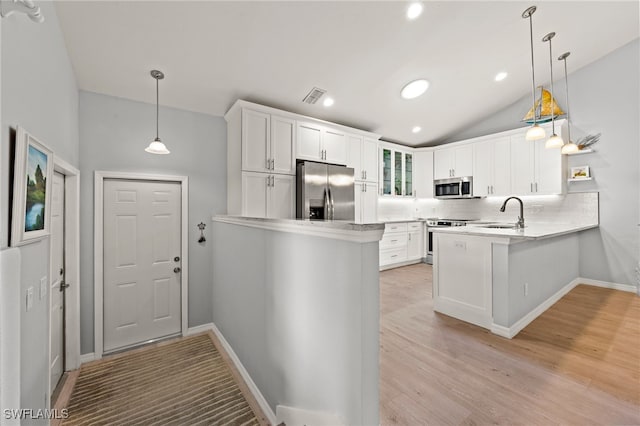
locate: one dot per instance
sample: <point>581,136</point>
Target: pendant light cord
<point>157,109</point>
<point>533,72</point>
<point>566,82</point>
<point>553,101</point>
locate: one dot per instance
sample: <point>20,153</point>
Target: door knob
<point>177,269</point>
<point>176,259</point>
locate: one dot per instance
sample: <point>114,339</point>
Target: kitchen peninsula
<point>502,278</point>
<point>298,302</point>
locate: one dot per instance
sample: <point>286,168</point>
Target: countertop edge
<point>511,234</point>
<point>337,230</point>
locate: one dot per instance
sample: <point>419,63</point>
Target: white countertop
<point>532,231</point>
<point>335,229</point>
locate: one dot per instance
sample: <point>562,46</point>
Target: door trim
<point>98,246</point>
<point>72,268</point>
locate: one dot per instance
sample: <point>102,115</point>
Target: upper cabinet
<point>363,158</point>
<point>396,172</point>
<point>317,142</point>
<point>268,143</point>
<point>263,144</point>
<point>453,162</point>
<point>492,167</point>
<point>536,169</point>
<point>423,179</point>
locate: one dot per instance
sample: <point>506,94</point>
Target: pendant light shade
<point>569,147</point>
<point>535,132</point>
<point>156,146</point>
<point>554,141</point>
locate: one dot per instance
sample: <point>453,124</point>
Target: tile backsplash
<point>576,208</point>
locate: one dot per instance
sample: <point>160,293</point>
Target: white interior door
<point>56,334</point>
<point>142,261</point>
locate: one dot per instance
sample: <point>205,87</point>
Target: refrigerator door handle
<point>330,203</point>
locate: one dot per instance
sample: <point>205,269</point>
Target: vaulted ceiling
<point>361,52</point>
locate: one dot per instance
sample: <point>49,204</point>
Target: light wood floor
<point>578,363</point>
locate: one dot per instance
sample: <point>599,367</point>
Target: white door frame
<point>71,266</point>
<point>98,246</point>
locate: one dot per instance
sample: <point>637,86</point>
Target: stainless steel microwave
<point>459,187</point>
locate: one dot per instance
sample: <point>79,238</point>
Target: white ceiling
<point>361,52</point>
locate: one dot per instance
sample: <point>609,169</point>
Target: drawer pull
<point>395,255</point>
<point>394,241</point>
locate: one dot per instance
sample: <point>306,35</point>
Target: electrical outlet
<point>526,289</point>
<point>43,287</point>
<point>461,245</point>
<point>29,298</point>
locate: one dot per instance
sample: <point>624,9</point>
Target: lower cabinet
<point>402,243</point>
<point>268,195</point>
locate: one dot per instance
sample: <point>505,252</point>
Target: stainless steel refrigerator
<point>324,192</point>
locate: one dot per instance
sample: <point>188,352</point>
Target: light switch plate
<point>43,287</point>
<point>29,298</point>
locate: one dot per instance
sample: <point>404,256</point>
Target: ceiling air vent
<point>313,96</point>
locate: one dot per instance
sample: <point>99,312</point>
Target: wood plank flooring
<point>578,363</point>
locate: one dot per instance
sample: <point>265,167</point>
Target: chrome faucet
<point>520,223</point>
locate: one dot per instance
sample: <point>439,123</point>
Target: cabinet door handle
<point>365,174</point>
<point>531,186</point>
<point>409,237</point>
<point>536,186</point>
<point>268,162</point>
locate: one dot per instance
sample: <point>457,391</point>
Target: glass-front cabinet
<point>386,172</point>
<point>408,174</point>
<point>396,173</point>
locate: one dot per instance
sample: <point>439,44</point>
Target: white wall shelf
<point>582,151</point>
<point>579,179</point>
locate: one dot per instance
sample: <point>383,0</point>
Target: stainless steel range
<point>440,223</point>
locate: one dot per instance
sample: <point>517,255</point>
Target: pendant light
<point>554,141</point>
<point>569,147</point>
<point>157,147</point>
<point>535,132</point>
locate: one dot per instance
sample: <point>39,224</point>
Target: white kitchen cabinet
<point>282,145</point>
<point>415,243</point>
<point>321,143</point>
<point>396,171</point>
<point>366,202</point>
<point>453,162</point>
<point>463,292</point>
<point>267,143</point>
<point>402,243</point>
<point>268,195</point>
<point>423,179</point>
<point>363,157</point>
<point>492,167</point>
<point>534,168</point>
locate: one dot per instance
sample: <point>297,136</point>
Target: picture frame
<point>580,172</point>
<point>32,181</point>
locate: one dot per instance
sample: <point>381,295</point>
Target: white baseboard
<point>296,417</point>
<point>84,358</point>
<point>511,332</point>
<point>605,284</point>
<point>264,405</point>
<point>199,329</point>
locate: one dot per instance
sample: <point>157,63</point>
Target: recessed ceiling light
<point>327,102</point>
<point>501,76</point>
<point>414,89</point>
<point>416,129</point>
<point>414,10</point>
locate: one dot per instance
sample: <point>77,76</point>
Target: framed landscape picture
<point>32,179</point>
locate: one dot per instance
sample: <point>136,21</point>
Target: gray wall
<point>605,98</point>
<point>39,93</point>
<point>114,133</point>
<point>303,319</point>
